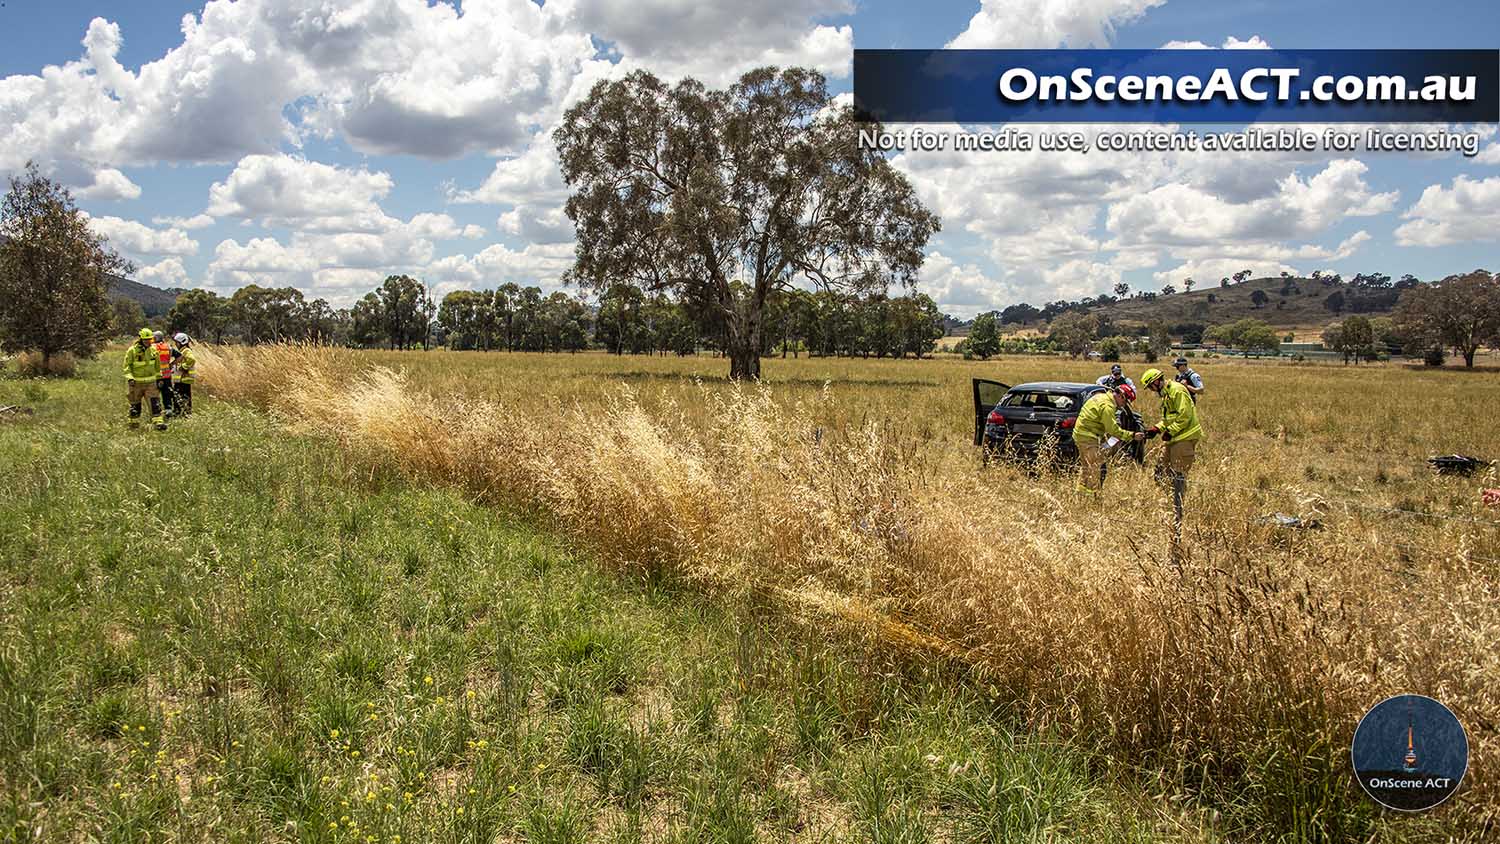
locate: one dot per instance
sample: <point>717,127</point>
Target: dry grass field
<point>847,492</point>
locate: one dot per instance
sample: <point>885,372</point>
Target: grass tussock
<point>32,365</point>
<point>1239,667</point>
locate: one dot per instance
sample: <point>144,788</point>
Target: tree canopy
<point>725,196</point>
<point>1074,333</point>
<point>1353,338</point>
<point>1461,312</point>
<point>1249,335</point>
<point>54,272</point>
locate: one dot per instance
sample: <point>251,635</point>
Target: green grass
<point>225,633</point>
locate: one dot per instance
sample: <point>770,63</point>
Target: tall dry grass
<point>1240,667</point>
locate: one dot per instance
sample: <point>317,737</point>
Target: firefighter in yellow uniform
<point>142,368</point>
<point>1180,431</point>
<point>1095,425</point>
<point>184,369</point>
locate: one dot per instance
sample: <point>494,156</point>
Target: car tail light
<point>1066,423</point>
<point>995,418</point>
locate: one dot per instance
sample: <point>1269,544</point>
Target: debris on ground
<point>1490,497</point>
<point>15,410</point>
<point>1457,464</point>
<point>1282,520</point>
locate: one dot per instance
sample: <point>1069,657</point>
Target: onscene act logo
<point>1410,753</point>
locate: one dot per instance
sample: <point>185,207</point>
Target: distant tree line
<point>396,315</point>
<point>401,314</point>
<point>514,319</point>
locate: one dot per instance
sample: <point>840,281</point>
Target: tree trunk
<point>744,363</point>
<point>1469,356</point>
<point>744,346</point>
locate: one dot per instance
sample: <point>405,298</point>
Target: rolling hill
<point>1300,304</point>
<point>153,300</point>
<point>1288,303</point>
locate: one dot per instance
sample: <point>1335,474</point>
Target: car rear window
<point>1041,400</point>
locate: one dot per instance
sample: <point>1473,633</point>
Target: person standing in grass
<point>1180,431</point>
<point>1115,378</point>
<point>164,375</point>
<point>1188,378</point>
<point>182,371</point>
<point>142,368</point>
<point>1095,426</point>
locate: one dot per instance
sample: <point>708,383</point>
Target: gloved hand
<point>1166,437</point>
<point>1153,431</point>
<point>130,382</point>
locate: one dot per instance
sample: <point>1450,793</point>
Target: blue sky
<point>323,145</point>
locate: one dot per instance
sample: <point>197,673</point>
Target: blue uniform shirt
<point>1192,379</point>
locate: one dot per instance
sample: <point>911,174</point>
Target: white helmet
<point>182,339</point>
<point>157,334</point>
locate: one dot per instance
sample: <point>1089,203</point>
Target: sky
<point>326,145</point>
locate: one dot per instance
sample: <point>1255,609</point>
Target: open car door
<point>987,394</point>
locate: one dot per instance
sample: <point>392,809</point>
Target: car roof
<point>1054,386</point>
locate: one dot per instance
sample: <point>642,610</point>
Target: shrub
<point>1435,356</point>
<point>1113,347</point>
<point>29,365</point>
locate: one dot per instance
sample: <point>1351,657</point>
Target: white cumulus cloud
<point>1002,24</point>
<point>111,184</point>
<point>1255,42</point>
<point>715,41</point>
<point>1177,214</point>
<point>1465,211</point>
<point>198,221</point>
<point>137,239</point>
<point>285,190</point>
<point>168,272</point>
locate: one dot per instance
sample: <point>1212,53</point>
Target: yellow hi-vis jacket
<point>1179,415</point>
<point>1096,420</point>
<point>141,363</point>
<point>186,362</point>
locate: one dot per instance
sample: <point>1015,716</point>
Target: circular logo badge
<point>1410,753</point>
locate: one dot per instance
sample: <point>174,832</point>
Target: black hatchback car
<point>1023,420</point>
<point>1029,419</point>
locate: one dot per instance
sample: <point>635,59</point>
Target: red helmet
<point>1127,391</point>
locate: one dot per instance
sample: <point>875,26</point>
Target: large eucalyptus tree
<point>723,196</point>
